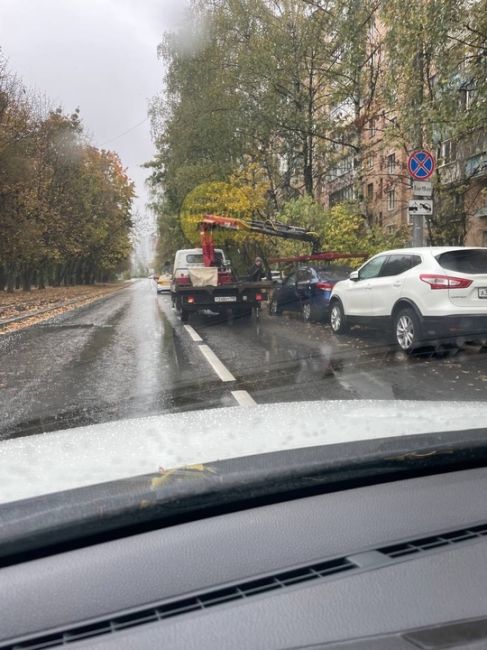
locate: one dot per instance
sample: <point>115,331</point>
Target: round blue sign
<point>421,164</point>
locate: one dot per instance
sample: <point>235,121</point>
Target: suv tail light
<point>445,281</point>
<point>324,286</point>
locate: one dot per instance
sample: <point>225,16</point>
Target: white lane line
<point>243,398</point>
<point>216,364</point>
<point>193,333</point>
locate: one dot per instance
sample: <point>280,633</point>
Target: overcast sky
<point>99,55</point>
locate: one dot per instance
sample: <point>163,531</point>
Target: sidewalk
<point>23,309</point>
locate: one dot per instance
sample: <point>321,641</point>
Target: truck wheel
<point>184,315</point>
<point>245,312</point>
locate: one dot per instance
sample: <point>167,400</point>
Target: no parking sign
<point>421,164</point>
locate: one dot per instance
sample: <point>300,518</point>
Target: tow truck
<point>209,283</point>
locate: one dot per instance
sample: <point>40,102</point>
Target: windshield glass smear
<point>232,228</point>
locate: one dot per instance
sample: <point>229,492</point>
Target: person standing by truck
<point>256,272</point>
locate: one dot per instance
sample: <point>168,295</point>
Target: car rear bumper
<point>456,325</point>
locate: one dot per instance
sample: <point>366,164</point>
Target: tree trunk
<point>27,278</point>
<point>41,277</point>
<point>3,278</point>
<point>11,277</point>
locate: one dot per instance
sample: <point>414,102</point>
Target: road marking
<point>216,364</point>
<point>243,398</point>
<point>193,333</point>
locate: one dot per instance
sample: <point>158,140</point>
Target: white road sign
<point>421,207</point>
<point>422,188</point>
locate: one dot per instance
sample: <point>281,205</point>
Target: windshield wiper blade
<point>47,524</point>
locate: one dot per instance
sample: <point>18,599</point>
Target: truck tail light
<point>190,300</point>
<point>324,286</point>
<point>182,280</point>
<point>444,281</point>
<point>259,297</point>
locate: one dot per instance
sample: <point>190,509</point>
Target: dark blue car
<point>308,290</point>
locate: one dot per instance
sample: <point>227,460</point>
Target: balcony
<point>476,166</point>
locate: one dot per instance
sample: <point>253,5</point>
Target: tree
<point>65,206</point>
<point>340,228</point>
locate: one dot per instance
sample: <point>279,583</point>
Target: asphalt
<point>129,355</point>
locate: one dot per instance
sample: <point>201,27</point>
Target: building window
<point>370,191</point>
<point>467,97</point>
<point>390,229</point>
<point>340,196</point>
<point>380,219</point>
<point>369,161</point>
<point>447,152</point>
<point>391,199</point>
<point>391,163</point>
<point>343,166</point>
<point>372,128</point>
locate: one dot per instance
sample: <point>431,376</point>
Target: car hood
<point>52,462</point>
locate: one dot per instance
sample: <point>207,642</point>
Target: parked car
<point>423,294</point>
<point>164,284</point>
<point>308,290</point>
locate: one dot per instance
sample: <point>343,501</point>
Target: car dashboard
<point>402,564</point>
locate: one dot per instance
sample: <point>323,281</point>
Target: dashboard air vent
<point>244,589</point>
<point>430,543</point>
<point>182,606</point>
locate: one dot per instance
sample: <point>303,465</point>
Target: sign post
<point>421,166</point>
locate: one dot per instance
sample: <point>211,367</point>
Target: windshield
<point>307,179</point>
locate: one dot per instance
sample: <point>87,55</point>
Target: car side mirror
<point>354,276</point>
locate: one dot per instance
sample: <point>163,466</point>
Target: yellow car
<point>163,284</point>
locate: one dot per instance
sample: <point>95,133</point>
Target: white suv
<point>425,294</point>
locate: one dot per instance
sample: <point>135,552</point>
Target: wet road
<point>129,355</point>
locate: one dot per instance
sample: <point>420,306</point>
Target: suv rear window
<point>464,261</point>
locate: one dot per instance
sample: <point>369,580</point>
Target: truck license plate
<point>225,298</point>
<point>482,292</point>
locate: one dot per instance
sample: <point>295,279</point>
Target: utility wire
<point>120,135</point>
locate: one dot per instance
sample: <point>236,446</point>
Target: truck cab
<point>189,258</point>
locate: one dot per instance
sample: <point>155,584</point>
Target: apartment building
<point>378,182</point>
<point>372,172</point>
<point>462,180</point>
<point>375,178</point>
